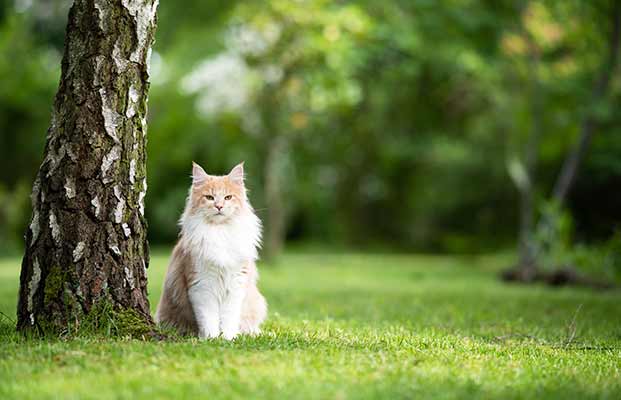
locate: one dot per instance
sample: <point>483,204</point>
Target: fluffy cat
<point>211,283</point>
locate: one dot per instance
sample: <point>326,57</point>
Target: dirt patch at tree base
<point>564,275</point>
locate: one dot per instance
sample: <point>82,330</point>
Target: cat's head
<point>217,198</point>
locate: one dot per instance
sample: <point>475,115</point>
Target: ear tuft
<point>237,174</point>
<point>198,174</point>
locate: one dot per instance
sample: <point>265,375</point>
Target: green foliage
<point>398,118</point>
<point>555,245</point>
<point>29,73</point>
<point>411,109</point>
<point>602,261</point>
<point>349,326</point>
<point>14,212</point>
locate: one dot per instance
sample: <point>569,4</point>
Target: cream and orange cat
<point>211,282</point>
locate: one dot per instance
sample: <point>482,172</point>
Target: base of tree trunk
<point>564,275</point>
<point>102,319</point>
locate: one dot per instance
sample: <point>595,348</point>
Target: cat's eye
<point>228,197</point>
<point>209,197</point>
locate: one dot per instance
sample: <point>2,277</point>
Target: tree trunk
<point>570,167</point>
<point>86,244</point>
<point>531,154</point>
<point>275,235</point>
<point>527,270</point>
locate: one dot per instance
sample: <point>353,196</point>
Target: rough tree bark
<point>86,243</point>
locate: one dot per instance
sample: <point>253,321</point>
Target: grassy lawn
<point>349,326</point>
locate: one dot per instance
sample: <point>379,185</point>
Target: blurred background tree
<point>408,125</point>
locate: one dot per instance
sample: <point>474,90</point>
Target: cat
<point>211,283</point>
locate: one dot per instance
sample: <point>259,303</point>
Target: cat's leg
<point>230,312</point>
<point>206,308</point>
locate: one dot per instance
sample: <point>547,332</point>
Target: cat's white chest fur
<point>226,246</point>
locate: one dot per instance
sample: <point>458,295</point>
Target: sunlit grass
<point>349,326</point>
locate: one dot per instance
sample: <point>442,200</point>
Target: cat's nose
<point>218,207</point>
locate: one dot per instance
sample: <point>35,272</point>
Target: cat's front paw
<point>230,335</point>
<point>208,334</point>
<point>255,331</point>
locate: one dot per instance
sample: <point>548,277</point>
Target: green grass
<point>349,326</point>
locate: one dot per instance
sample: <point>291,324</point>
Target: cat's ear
<point>237,174</point>
<point>198,174</point>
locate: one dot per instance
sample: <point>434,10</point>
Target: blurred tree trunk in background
<point>276,209</point>
<point>526,186</point>
<point>86,245</point>
<point>570,167</point>
<point>275,144</point>
<point>528,265</point>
